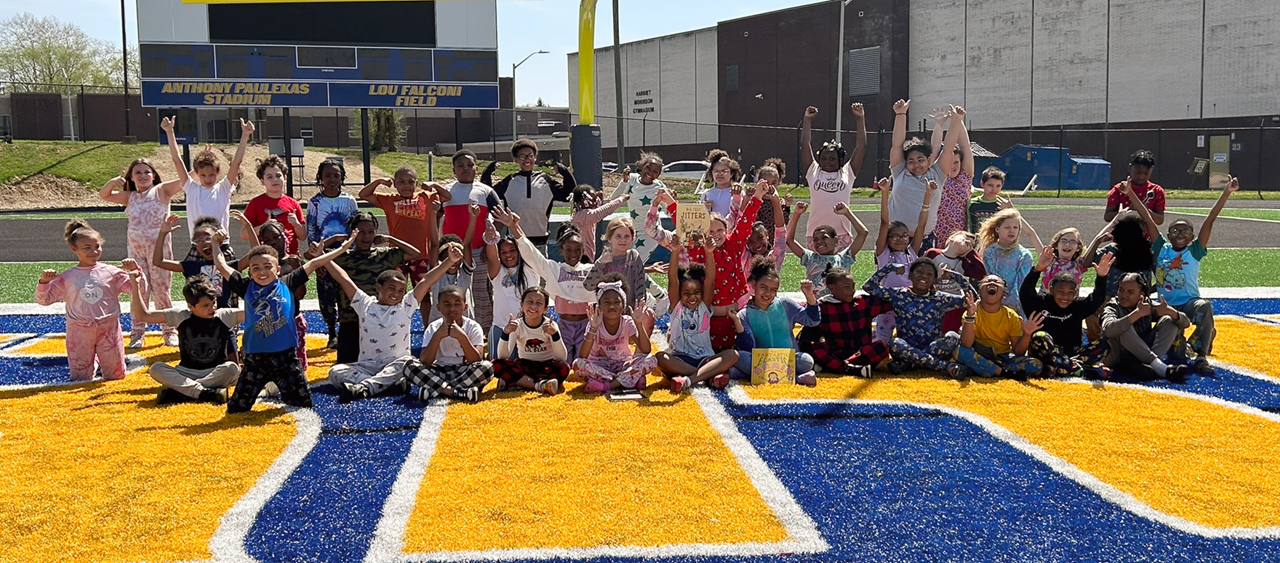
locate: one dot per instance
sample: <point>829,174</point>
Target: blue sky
<point>524,26</point>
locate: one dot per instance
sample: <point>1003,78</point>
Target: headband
<point>615,286</point>
<point>832,144</point>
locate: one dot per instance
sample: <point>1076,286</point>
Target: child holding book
<point>769,319</point>
<point>730,283</point>
<point>690,358</point>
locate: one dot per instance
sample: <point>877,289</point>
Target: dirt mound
<point>44,191</point>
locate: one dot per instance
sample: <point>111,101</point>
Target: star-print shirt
<point>642,196</point>
<point>731,283</point>
<point>919,316</point>
<point>384,329</point>
<point>269,311</point>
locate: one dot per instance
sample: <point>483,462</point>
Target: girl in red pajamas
<point>730,283</point>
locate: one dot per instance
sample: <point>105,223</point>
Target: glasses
<point>1180,231</point>
<point>721,171</point>
<point>526,156</point>
<point>899,236</point>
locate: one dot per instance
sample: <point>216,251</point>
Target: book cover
<point>691,217</point>
<point>773,365</point>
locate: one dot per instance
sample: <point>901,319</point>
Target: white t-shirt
<point>211,202</point>
<point>826,189</point>
<point>908,196</point>
<point>506,293</point>
<point>450,351</point>
<point>384,329</point>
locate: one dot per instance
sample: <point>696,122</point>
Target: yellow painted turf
<point>1250,345</point>
<point>99,472</point>
<point>1208,464</point>
<point>574,470</point>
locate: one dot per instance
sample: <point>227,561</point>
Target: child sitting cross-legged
<point>205,331</point>
<point>385,321</point>
<point>270,342</point>
<point>452,363</point>
<point>690,358</point>
<point>919,310</point>
<point>1059,345</point>
<point>993,338</point>
<point>606,360</point>
<point>769,319</point>
<point>843,342</point>
<point>540,365</point>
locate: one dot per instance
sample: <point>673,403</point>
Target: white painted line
<point>388,542</point>
<point>1221,217</point>
<point>227,543</point>
<point>1106,491</point>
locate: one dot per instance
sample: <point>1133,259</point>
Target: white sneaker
<point>135,342</point>
<point>171,339</point>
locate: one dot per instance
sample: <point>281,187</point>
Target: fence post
<point>82,139</point>
<point>288,153</point>
<point>1261,125</point>
<point>1062,151</point>
<point>364,144</point>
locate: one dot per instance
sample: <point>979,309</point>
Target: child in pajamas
<point>769,319</point>
<point>540,365</point>
<point>205,330</point>
<point>842,342</point>
<point>452,364</point>
<point>730,282</point>
<point>270,342</point>
<point>919,310</point>
<point>91,291</point>
<point>606,361</point>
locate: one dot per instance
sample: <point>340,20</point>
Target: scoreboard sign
<point>283,53</point>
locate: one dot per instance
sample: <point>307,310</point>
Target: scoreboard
<point>356,54</point>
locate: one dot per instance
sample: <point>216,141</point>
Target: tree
<point>386,129</point>
<point>48,51</point>
<point>540,104</point>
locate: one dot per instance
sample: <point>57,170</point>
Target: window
<point>731,78</point>
<point>307,130</point>
<point>864,72</point>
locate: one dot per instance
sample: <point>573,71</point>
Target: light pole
<point>513,91</point>
<point>840,71</point>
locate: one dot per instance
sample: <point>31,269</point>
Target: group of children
<point>954,290</point>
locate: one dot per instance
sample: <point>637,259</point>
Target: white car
<point>691,169</point>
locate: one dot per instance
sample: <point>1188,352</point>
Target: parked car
<point>609,167</point>
<point>692,169</point>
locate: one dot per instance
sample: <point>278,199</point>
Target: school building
<point>1186,79</point>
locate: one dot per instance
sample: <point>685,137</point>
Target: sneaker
<point>1016,374</point>
<point>502,385</point>
<point>679,384</point>
<point>1177,373</point>
<point>356,391</point>
<point>1202,366</point>
<point>471,394</point>
<point>550,387</point>
<point>171,339</point>
<point>856,370</point>
<point>216,395</point>
<point>720,381</point>
<point>958,371</point>
<point>424,394</point>
<point>333,342</point>
<point>135,342</point>
<point>807,379</point>
<point>169,396</point>
<point>400,388</point>
<point>597,386</point>
<point>895,367</point>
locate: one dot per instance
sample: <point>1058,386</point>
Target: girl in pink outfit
<point>605,359</point>
<point>92,293</point>
<point>147,206</point>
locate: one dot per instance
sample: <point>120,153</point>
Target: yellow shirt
<point>998,330</point>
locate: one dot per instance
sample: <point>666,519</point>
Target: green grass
<point>89,163</point>
<point>1266,214</point>
<point>18,281</point>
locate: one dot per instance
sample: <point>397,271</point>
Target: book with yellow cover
<point>773,365</point>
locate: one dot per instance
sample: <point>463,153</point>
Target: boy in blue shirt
<point>270,341</point>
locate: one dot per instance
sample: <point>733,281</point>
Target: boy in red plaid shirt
<point>842,341</point>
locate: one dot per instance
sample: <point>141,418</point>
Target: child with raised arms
<point>274,204</point>
<point>411,217</point>
<point>270,341</point>
<point>1004,256</point>
<point>327,215</point>
<point>1177,278</point>
<point>372,254</point>
<point>206,195</point>
<point>690,358</point>
<point>1059,345</point>
<point>993,338</point>
<point>842,341</point>
<point>825,240</point>
<point>91,291</point>
<point>589,210</point>
<point>896,244</point>
<point>563,279</point>
<point>956,163</point>
<point>730,283</point>
<point>206,332</point>
<point>385,320</point>
<point>1069,255</point>
<point>913,164</point>
<point>509,275</point>
<point>540,351</point>
<point>451,364</point>
<point>606,361</point>
<point>919,309</point>
<point>769,319</point>
<point>831,173</point>
<point>146,205</point>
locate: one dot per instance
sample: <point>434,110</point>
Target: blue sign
<point>274,93</point>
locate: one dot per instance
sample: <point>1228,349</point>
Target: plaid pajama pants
<point>832,358</point>
<point>280,367</point>
<point>436,377</point>
<point>510,371</point>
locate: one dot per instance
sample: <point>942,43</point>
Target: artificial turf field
<point>907,468</point>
